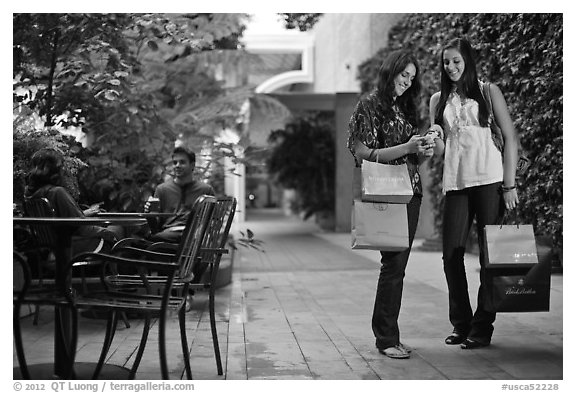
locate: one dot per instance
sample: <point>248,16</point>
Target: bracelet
<point>506,189</point>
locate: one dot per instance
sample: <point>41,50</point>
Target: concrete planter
<point>325,220</point>
<point>225,270</point>
<point>224,276</point>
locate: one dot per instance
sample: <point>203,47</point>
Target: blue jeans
<point>485,204</point>
<point>390,285</point>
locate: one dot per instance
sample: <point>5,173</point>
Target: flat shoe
<point>455,339</point>
<point>472,344</point>
<point>395,352</point>
<point>405,347</point>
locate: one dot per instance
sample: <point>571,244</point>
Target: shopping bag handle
<point>370,155</point>
<point>515,218</point>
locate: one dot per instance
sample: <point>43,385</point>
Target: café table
<point>62,318</point>
<point>134,214</point>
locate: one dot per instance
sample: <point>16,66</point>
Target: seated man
<point>177,195</point>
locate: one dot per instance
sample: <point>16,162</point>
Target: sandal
<point>455,339</point>
<point>473,344</point>
<point>395,352</point>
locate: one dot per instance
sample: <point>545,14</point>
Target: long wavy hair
<point>468,81</point>
<point>393,65</point>
<point>46,169</point>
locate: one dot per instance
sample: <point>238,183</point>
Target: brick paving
<point>302,310</point>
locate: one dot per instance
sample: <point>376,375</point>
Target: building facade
<point>325,78</point>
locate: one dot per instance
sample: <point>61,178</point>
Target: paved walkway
<point>302,311</point>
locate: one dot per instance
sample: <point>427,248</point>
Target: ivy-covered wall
<point>523,55</point>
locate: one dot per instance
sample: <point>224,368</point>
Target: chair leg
<point>141,347</point>
<point>214,332</point>
<point>36,315</point>
<point>41,280</point>
<point>162,343</point>
<point>184,339</point>
<point>110,330</point>
<point>73,344</point>
<point>18,343</point>
<point>125,319</point>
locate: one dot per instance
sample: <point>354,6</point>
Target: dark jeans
<point>167,236</point>
<point>390,285</point>
<point>484,203</point>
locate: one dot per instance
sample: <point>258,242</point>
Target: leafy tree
<point>523,54</point>
<point>114,76</point>
<point>302,22</point>
<point>302,159</point>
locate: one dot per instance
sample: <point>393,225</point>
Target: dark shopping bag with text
<point>518,290</point>
<point>383,183</point>
<point>518,269</point>
<point>379,226</point>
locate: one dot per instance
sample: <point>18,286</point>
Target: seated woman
<point>45,181</point>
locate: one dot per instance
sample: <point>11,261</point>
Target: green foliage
<point>302,22</point>
<point>247,240</point>
<point>129,81</point>
<point>523,55</point>
<point>27,140</point>
<point>302,158</point>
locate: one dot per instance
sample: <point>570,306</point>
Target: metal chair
<point>151,296</point>
<point>39,291</point>
<point>25,291</point>
<point>41,242</point>
<point>209,262</point>
<point>200,273</point>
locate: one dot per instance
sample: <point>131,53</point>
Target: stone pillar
<point>344,106</point>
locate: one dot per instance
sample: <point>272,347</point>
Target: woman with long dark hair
<point>45,181</point>
<point>478,180</point>
<point>383,128</point>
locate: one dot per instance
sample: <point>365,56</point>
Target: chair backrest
<point>194,234</point>
<point>219,228</point>
<point>20,275</point>
<point>44,235</point>
<point>215,241</point>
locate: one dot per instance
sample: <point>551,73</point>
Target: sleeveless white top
<point>470,157</point>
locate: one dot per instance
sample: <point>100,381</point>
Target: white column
<point>235,185</point>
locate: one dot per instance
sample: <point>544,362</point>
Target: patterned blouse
<point>368,126</point>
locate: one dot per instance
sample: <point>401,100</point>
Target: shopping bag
<point>520,289</point>
<point>385,183</point>
<point>509,246</point>
<point>379,226</point>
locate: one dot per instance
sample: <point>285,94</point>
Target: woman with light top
<point>478,180</point>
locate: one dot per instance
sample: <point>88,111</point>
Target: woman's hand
<point>510,199</point>
<point>92,210</point>
<point>428,152</point>
<point>416,144</point>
